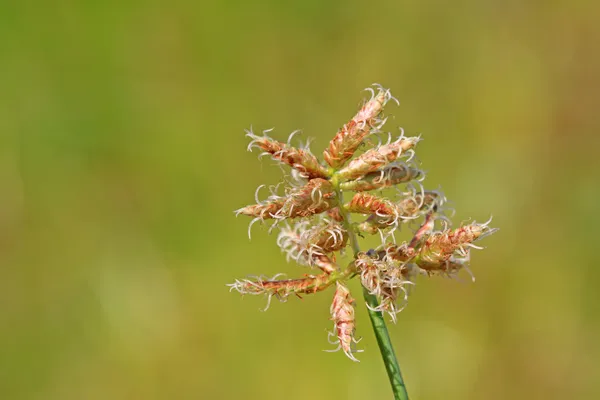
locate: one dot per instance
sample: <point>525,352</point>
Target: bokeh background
<point>122,156</point>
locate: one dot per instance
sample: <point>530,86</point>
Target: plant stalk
<point>381,333</point>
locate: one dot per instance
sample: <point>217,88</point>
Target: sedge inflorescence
<point>383,183</point>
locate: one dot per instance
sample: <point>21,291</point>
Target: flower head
<point>315,224</point>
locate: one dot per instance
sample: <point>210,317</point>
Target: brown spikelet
<point>346,141</point>
<point>420,203</point>
<point>328,237</point>
<point>265,210</point>
<point>445,267</point>
<point>315,197</point>
<point>342,315</point>
<point>440,246</point>
<point>386,177</point>
<point>385,278</point>
<point>323,262</point>
<point>301,160</point>
<point>376,158</point>
<point>365,203</point>
<point>405,210</point>
<point>369,273</point>
<point>281,289</point>
<point>310,245</point>
<point>448,251</point>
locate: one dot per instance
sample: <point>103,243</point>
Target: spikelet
<point>442,245</point>
<point>315,197</point>
<point>366,121</point>
<point>389,176</point>
<point>281,289</point>
<point>264,210</point>
<point>342,315</point>
<point>405,210</point>
<point>300,159</point>
<point>376,158</point>
<point>385,278</point>
<point>448,251</point>
<point>366,203</point>
<point>310,245</point>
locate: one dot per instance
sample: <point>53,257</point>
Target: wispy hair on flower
<point>315,225</point>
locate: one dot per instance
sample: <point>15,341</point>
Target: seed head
<point>315,225</point>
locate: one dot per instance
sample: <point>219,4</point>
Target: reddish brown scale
<point>335,215</point>
<point>401,253</point>
<point>324,263</point>
<point>425,229</point>
<point>444,267</point>
<point>365,203</point>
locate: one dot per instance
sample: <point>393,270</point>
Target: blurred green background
<point>122,156</point>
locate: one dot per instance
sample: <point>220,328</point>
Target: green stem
<point>381,333</point>
<point>385,347</point>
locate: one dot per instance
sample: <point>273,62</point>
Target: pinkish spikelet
<point>385,278</point>
<point>386,177</point>
<point>309,246</point>
<point>346,141</point>
<point>448,251</point>
<point>342,315</point>
<point>376,158</point>
<point>420,203</point>
<point>317,196</point>
<point>369,273</point>
<point>365,203</point>
<point>300,159</point>
<point>282,289</point>
<point>405,210</point>
<point>264,210</point>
